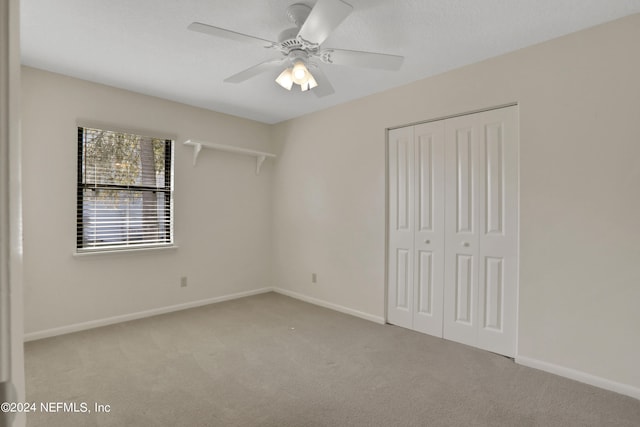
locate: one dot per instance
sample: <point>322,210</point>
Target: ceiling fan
<point>301,48</point>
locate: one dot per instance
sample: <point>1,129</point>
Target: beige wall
<point>579,100</point>
<point>222,209</point>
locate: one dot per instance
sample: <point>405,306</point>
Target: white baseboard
<point>580,376</point>
<point>330,305</point>
<point>47,333</point>
<point>138,315</point>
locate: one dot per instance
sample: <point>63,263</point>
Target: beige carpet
<point>270,360</point>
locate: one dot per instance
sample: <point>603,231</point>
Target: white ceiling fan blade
<point>255,70</point>
<point>228,34</point>
<point>325,16</point>
<point>356,58</point>
<point>324,88</point>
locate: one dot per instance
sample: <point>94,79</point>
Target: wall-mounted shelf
<point>198,145</point>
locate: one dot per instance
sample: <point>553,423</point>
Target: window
<point>125,191</point>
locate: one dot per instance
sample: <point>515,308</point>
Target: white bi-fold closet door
<point>453,229</point>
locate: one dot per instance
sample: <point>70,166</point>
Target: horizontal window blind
<point>125,191</point>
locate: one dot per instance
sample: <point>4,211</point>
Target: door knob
<point>427,241</point>
<point>465,244</point>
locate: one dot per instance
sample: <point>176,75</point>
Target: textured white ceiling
<point>144,45</point>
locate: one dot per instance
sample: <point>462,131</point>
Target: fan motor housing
<point>287,36</point>
<point>288,39</point>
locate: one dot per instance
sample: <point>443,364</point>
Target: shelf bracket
<point>196,150</point>
<point>259,161</point>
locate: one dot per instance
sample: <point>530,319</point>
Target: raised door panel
<point>429,234</point>
<point>493,294</point>
<point>424,289</point>
<point>498,217</point>
<point>493,172</point>
<point>402,278</point>
<point>464,282</point>
<point>464,182</point>
<point>462,231</point>
<point>401,227</point>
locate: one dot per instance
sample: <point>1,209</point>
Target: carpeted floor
<point>269,360</point>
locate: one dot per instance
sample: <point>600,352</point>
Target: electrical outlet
<point>314,278</point>
<point>183,282</point>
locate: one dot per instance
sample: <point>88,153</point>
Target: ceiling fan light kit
<point>303,43</point>
<point>298,74</point>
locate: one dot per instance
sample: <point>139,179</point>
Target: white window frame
<point>82,246</point>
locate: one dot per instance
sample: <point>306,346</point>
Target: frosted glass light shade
<point>310,84</point>
<point>285,79</point>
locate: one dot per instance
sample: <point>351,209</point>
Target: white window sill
<point>93,252</point>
